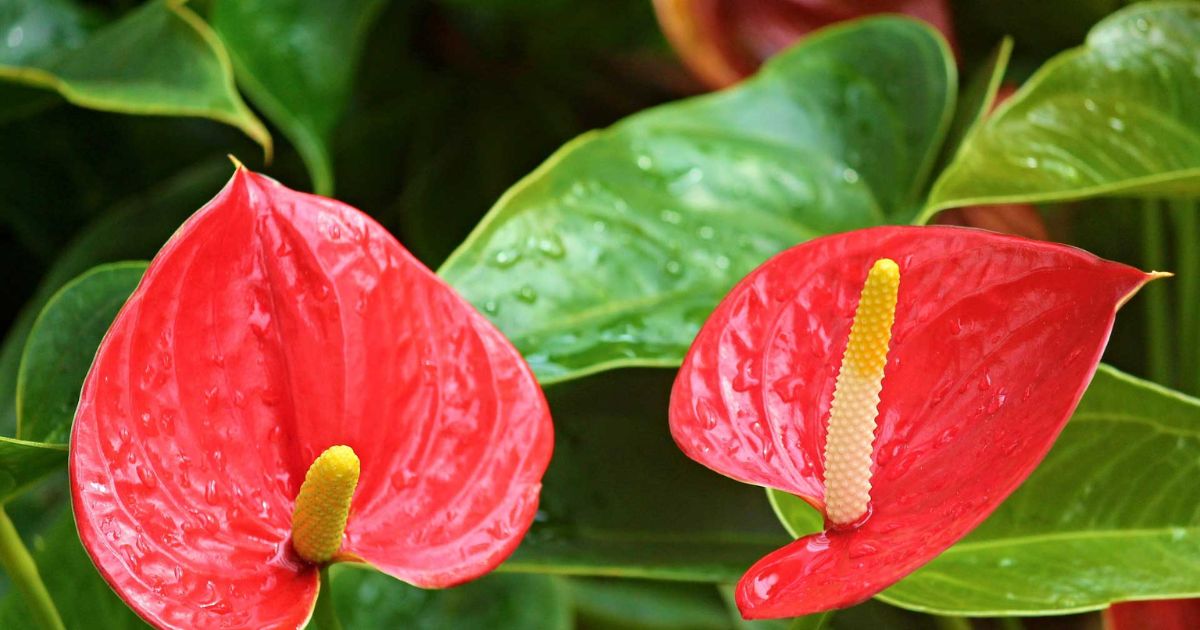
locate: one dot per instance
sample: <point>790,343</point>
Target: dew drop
<point>706,414</point>
<point>551,246</point>
<point>527,294</point>
<point>505,258</point>
<point>862,550</point>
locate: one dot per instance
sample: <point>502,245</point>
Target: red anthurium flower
<point>968,352</point>
<point>724,41</point>
<point>279,336</point>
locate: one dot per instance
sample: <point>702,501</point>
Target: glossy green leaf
<point>61,346</point>
<point>366,599</point>
<point>1119,115</point>
<point>615,250</point>
<point>296,60</point>
<point>620,499</point>
<point>132,229</point>
<point>160,59</point>
<point>978,98</point>
<point>1110,515</point>
<point>83,597</point>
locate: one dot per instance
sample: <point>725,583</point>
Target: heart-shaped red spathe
<point>995,339</point>
<point>273,325</point>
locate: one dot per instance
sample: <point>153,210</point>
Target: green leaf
<point>296,60</point>
<point>38,29</point>
<point>978,98</point>
<point>22,463</point>
<point>615,604</point>
<point>61,346</point>
<point>621,500</point>
<point>1119,115</point>
<point>367,599</point>
<point>614,251</point>
<point>160,59</point>
<point>83,598</point>
<point>133,229</point>
<point>1110,515</point>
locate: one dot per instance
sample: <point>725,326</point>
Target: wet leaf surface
<point>615,250</point>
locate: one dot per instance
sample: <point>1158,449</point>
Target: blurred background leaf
<point>159,59</point>
<point>297,59</point>
<point>367,600</point>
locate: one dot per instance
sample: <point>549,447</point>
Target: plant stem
<point>1186,215</point>
<point>325,616</point>
<point>1158,325</point>
<point>24,574</point>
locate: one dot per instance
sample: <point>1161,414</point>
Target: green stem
<point>1158,324</point>
<point>24,574</point>
<point>325,616</point>
<point>1186,216</point>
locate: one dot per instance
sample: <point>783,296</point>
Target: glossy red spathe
<point>273,325</point>
<point>995,339</point>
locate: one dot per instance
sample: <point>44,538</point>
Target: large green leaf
<point>615,250</point>
<point>367,599</point>
<point>620,499</point>
<point>1110,515</point>
<point>616,604</point>
<point>296,60</point>
<point>61,346</point>
<point>160,59</point>
<point>83,598</point>
<point>133,229</point>
<point>1119,115</point>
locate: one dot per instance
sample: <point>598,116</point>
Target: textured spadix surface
<point>273,325</point>
<point>995,339</point>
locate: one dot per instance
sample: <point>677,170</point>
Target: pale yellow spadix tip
<point>323,505</point>
<point>851,433</point>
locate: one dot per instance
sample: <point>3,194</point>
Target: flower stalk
<point>24,573</point>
